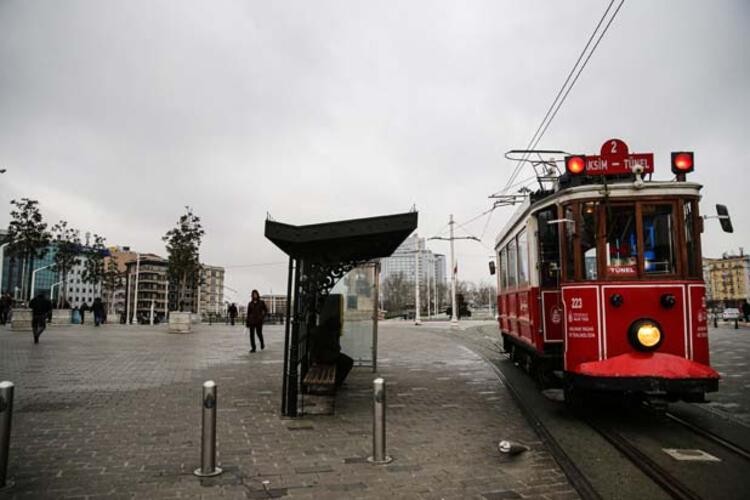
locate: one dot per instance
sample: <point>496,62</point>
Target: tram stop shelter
<point>323,319</point>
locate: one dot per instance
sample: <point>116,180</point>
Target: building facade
<point>212,290</point>
<point>404,261</point>
<point>146,288</point>
<point>79,292</point>
<point>727,280</point>
<point>13,274</point>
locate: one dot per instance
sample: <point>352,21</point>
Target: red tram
<point>601,278</point>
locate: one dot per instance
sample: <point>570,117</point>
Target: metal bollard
<point>736,323</point>
<point>378,424</point>
<point>716,320</point>
<point>6,414</point>
<point>208,438</point>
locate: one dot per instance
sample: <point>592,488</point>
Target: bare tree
<point>397,292</point>
<point>183,246</point>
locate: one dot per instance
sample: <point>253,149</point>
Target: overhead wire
<point>550,113</point>
<point>585,62</point>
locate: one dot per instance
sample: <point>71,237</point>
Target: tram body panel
<point>640,301</point>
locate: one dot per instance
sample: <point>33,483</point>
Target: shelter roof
<point>343,241</point>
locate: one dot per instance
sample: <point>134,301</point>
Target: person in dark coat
<point>41,307</point>
<point>746,310</point>
<point>98,309</point>
<point>84,307</point>
<point>232,311</point>
<point>6,302</point>
<point>256,313</point>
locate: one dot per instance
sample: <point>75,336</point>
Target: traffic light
<point>682,162</point>
<point>575,165</point>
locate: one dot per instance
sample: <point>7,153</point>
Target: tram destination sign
<point>615,159</point>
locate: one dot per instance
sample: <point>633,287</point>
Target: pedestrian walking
<point>98,309</point>
<point>41,307</point>
<point>84,307</point>
<point>746,311</point>
<point>232,312</point>
<point>256,313</point>
<point>6,302</point>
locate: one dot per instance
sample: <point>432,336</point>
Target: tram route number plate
<point>615,159</point>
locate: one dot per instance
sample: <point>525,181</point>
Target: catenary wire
<point>535,137</point>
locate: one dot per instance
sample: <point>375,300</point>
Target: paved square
<point>115,412</point>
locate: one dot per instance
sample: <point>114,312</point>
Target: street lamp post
<point>52,290</point>
<point>417,316</point>
<point>33,278</point>
<point>135,295</point>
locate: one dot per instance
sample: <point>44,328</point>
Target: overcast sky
<point>114,115</point>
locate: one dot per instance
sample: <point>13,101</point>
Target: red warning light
<point>575,165</point>
<point>682,162</point>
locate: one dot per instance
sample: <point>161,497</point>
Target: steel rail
<point>577,479</point>
<point>710,436</point>
<point>658,474</point>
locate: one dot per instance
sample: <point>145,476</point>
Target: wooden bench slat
<point>321,375</point>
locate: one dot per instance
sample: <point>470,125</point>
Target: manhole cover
<point>690,455</point>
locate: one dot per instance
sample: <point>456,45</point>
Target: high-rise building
<point>403,261</point>
<point>146,288</point>
<point>78,291</point>
<point>727,280</point>
<point>212,289</point>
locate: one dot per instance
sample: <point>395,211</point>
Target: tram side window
<point>549,248</point>
<point>523,259</point>
<point>589,230</point>
<point>512,264</point>
<point>570,233</point>
<point>622,245</point>
<point>503,269</point>
<point>690,240</point>
<point>658,239</point>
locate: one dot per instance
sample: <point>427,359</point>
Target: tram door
<point>549,275</point>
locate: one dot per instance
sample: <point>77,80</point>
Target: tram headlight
<point>645,335</point>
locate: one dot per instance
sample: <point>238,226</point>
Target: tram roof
<point>345,240</point>
<point>595,191</point>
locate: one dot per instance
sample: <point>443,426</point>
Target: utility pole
<point>454,316</point>
<point>417,317</point>
<point>454,309</point>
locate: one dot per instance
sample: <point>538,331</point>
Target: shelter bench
<point>321,379</point>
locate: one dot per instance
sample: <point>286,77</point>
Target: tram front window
<point>658,239</point>
<point>589,231</point>
<point>622,245</point>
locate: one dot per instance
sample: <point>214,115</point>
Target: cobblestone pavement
<point>730,356</point>
<point>114,412</point>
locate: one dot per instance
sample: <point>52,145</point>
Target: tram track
<point>711,436</point>
<point>642,450</point>
<point>662,477</point>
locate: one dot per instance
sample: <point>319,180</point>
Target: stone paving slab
<point>114,412</point>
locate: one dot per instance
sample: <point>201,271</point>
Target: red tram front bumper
<point>646,372</point>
